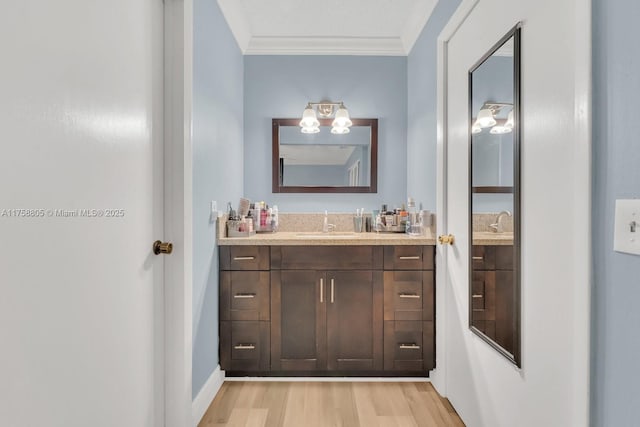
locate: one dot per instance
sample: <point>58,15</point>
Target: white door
<point>551,389</point>
<point>81,201</point>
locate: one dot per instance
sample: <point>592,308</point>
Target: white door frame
<point>178,88</point>
<point>439,375</point>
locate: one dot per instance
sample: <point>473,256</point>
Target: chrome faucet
<point>326,227</point>
<point>498,227</point>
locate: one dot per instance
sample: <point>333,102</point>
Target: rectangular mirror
<point>494,264</point>
<point>324,162</point>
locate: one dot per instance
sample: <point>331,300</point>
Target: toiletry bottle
<point>263,216</point>
<point>412,219</point>
<point>274,218</point>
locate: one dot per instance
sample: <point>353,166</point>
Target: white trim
<point>178,57</point>
<point>582,219</point>
<point>206,395</point>
<point>373,46</point>
<point>416,23</point>
<point>234,15</point>
<point>439,375</point>
<point>332,379</point>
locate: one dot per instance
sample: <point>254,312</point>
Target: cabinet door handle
<point>409,346</point>
<point>245,347</point>
<point>477,296</point>
<point>244,258</point>
<point>403,295</point>
<point>409,257</point>
<point>332,290</point>
<point>477,258</point>
<point>244,295</point>
<point>321,289</point>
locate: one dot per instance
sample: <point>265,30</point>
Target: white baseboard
<point>205,396</point>
<point>334,379</point>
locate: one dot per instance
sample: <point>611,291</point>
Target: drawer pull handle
<point>409,295</point>
<point>409,257</point>
<point>244,258</point>
<point>477,258</point>
<point>244,296</point>
<point>477,296</point>
<point>245,347</point>
<point>321,289</point>
<point>409,346</point>
<point>332,290</point>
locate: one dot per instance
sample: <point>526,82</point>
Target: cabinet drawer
<point>326,257</point>
<point>408,295</point>
<point>491,257</point>
<point>408,346</point>
<point>244,295</point>
<point>244,346</point>
<point>408,257</point>
<point>244,257</point>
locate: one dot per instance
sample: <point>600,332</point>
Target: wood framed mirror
<point>324,162</point>
<point>494,191</point>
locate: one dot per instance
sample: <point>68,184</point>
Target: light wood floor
<point>323,404</point>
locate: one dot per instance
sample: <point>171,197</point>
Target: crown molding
<point>416,24</point>
<point>234,15</point>
<point>250,44</point>
<point>371,46</point>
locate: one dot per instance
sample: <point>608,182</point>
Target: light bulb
<point>342,119</point>
<point>340,130</point>
<point>485,118</point>
<point>499,130</point>
<point>309,118</point>
<point>310,129</point>
<point>510,121</point>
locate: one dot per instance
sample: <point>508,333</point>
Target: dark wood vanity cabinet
<point>492,293</point>
<point>326,320</point>
<point>409,305</point>
<point>245,316</point>
<point>333,309</point>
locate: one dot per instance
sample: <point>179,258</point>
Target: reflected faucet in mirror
<point>498,227</point>
<point>326,227</point>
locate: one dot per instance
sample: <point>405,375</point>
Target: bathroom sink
<point>331,235</point>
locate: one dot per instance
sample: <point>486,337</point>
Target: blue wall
<point>371,87</point>
<point>616,156</point>
<point>217,167</point>
<point>422,107</point>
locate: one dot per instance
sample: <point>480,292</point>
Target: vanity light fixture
<point>509,123</point>
<point>487,119</point>
<point>340,125</point>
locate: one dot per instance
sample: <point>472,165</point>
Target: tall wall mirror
<point>324,162</point>
<point>494,189</point>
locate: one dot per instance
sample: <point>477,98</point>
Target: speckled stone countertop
<point>489,238</point>
<point>303,229</point>
<point>289,238</point>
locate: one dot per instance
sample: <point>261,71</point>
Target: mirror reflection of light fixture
<point>340,124</point>
<point>509,123</point>
<point>487,119</point>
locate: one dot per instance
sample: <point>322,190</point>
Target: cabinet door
<point>354,320</point>
<point>298,320</point>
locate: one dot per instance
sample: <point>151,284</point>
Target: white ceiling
<point>326,27</point>
<point>332,155</point>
